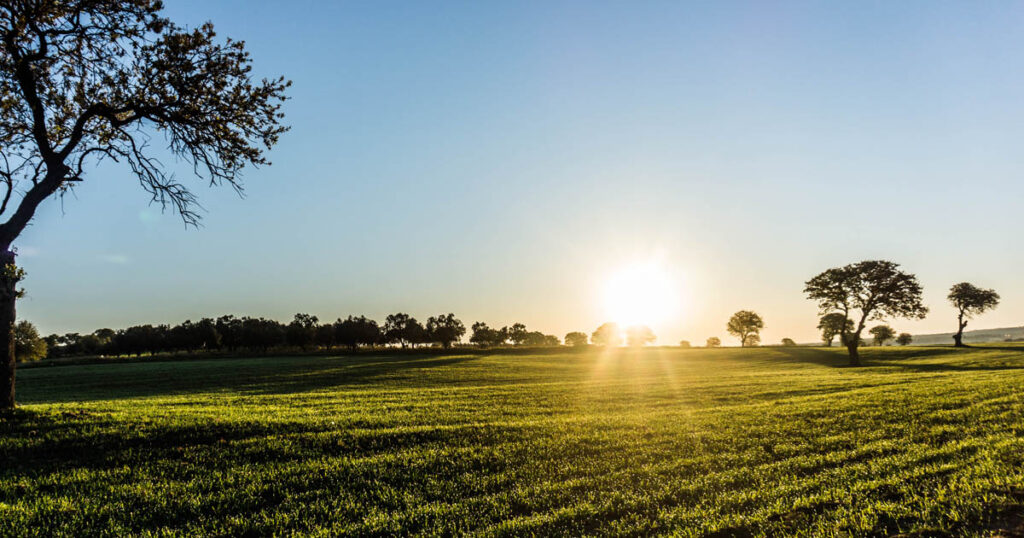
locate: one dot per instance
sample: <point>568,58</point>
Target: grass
<point>721,442</point>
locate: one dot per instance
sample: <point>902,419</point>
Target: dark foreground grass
<point>761,442</point>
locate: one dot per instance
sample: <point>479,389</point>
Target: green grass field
<point>721,442</point>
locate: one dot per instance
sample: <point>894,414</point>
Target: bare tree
<point>88,80</point>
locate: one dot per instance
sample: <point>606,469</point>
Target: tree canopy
<point>882,334</point>
<point>746,325</point>
<point>576,339</point>
<point>832,325</point>
<point>969,301</point>
<point>445,329</point>
<point>28,345</point>
<point>869,290</point>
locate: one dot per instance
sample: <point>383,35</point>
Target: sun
<point>641,293</point>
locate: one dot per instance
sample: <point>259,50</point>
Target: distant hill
<point>980,336</point>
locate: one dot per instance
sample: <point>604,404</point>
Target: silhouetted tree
<point>752,340</point>
<point>88,344</point>
<point>608,335</point>
<point>28,345</point>
<point>262,334</point>
<point>684,343</point>
<point>84,80</point>
<point>517,334</point>
<point>356,331</point>
<point>445,329</point>
<point>302,330</point>
<point>788,342</point>
<point>230,330</point>
<point>639,335</point>
<point>904,339</point>
<point>714,341</point>
<point>189,336</point>
<point>877,288</point>
<point>969,300</point>
<point>325,336</point>
<point>882,334</point>
<point>576,339</point>
<point>833,324</point>
<point>483,335</point>
<point>743,325</point>
<point>404,330</point>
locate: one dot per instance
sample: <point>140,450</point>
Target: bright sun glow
<point>641,294</point>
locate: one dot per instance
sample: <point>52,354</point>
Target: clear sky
<point>502,160</point>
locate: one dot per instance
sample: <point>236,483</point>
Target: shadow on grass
<point>265,375</point>
<point>902,358</point>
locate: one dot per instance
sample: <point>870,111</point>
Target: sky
<point>504,160</point>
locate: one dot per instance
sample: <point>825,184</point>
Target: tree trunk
<point>8,295</point>
<point>958,338</point>
<point>851,347</point>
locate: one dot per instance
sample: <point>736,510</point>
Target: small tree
<point>445,329</point>
<point>714,341</point>
<point>788,342</point>
<point>882,334</point>
<point>744,325</point>
<point>833,324</point>
<point>28,345</point>
<point>684,343</point>
<point>607,335</point>
<point>969,300</point>
<point>904,339</point>
<point>639,336</point>
<point>877,289</point>
<point>576,339</point>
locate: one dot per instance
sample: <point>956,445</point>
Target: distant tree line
<point>305,332</point>
<point>848,296</point>
<point>231,334</point>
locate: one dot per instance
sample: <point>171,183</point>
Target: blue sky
<point>500,160</point>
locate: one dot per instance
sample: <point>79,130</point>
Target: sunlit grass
<point>761,442</point>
